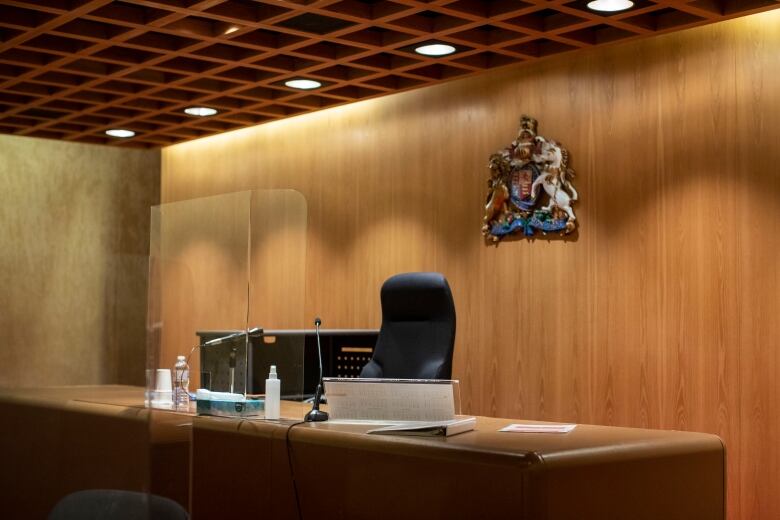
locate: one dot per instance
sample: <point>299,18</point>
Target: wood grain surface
<point>660,312</point>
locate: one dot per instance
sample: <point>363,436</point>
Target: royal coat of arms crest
<point>529,187</point>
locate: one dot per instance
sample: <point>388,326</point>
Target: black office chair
<point>114,504</point>
<point>417,337</point>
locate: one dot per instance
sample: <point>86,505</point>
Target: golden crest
<point>530,170</point>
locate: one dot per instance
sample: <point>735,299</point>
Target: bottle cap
<point>272,374</point>
<point>180,358</point>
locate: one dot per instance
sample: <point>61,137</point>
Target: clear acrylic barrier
<point>220,265</point>
<point>383,400</point>
<point>198,279</point>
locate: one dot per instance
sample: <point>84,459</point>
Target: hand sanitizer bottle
<point>272,404</point>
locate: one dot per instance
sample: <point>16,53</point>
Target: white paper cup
<point>163,380</point>
<point>162,397</point>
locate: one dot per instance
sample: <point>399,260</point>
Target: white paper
<point>539,428</point>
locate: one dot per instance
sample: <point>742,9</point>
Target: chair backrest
<point>114,504</point>
<point>417,337</point>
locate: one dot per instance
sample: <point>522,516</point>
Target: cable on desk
<point>292,470</point>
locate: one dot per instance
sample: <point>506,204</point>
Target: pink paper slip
<point>538,428</point>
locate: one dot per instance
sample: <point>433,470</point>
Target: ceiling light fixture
<point>200,111</point>
<point>120,132</point>
<point>610,5</point>
<point>435,49</point>
<point>303,84</point>
<point>231,29</point>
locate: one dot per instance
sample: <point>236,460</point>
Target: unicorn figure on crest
<point>554,179</point>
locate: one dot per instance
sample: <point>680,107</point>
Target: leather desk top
<point>598,442</point>
<point>650,472</point>
<point>585,444</point>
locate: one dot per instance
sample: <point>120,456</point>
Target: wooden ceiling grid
<point>71,69</point>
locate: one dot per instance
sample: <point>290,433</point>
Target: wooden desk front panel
<point>53,448</point>
<point>592,473</point>
<point>370,478</point>
<point>241,467</point>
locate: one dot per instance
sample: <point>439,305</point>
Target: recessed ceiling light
<point>200,111</point>
<point>303,84</point>
<point>120,132</point>
<point>435,49</point>
<point>610,5</point>
<point>231,29</point>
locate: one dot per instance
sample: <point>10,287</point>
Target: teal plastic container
<point>248,408</point>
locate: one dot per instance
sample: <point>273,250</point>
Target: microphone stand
<point>249,333</point>
<point>315,414</point>
<point>232,367</point>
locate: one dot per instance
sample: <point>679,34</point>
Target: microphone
<point>315,414</point>
<point>249,333</point>
<point>253,332</point>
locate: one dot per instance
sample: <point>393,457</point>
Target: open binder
<point>429,429</point>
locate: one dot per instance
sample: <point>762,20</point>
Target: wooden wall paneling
<point>277,262</point>
<point>701,368</point>
<point>757,172</point>
<point>644,226</point>
<point>656,314</point>
<point>333,175</point>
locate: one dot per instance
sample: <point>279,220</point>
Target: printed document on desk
<point>391,400</point>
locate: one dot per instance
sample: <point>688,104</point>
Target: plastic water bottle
<point>181,383</point>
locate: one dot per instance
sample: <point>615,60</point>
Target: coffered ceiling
<point>72,69</point>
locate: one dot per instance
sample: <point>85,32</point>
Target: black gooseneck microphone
<point>315,414</point>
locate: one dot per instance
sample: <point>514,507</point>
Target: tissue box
<point>223,404</point>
